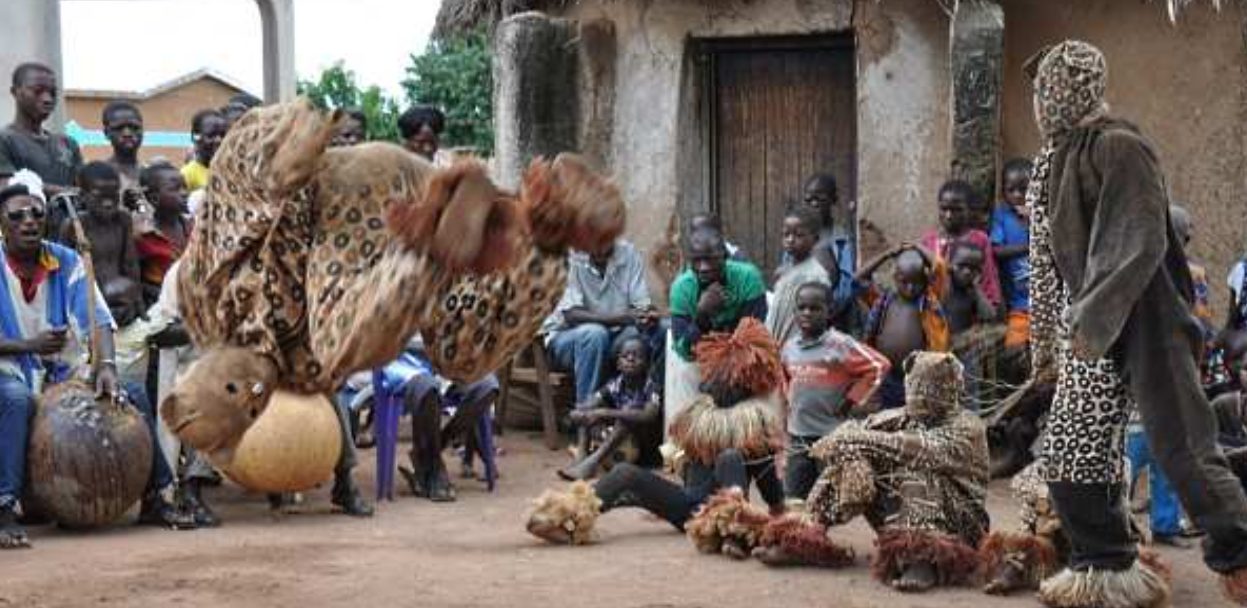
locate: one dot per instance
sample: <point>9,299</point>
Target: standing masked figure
<point>1111,296</point>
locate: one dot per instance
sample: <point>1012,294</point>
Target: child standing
<point>109,230</point>
<point>163,243</point>
<point>956,198</point>
<point>801,227</point>
<point>827,373</point>
<point>908,318</point>
<point>1010,235</point>
<point>965,304</point>
<point>630,402</point>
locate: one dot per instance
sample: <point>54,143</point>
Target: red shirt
<point>157,253</point>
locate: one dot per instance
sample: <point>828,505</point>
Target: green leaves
<point>453,74</point>
<point>336,88</point>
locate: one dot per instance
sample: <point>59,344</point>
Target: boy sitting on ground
<point>801,228</point>
<point>629,404</point>
<point>908,318</point>
<point>827,373</point>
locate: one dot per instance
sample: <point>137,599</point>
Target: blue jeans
<point>1166,513</point>
<point>17,409</point>
<point>586,350</point>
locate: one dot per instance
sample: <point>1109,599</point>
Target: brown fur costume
<point>955,562</point>
<point>744,362</point>
<point>727,523</point>
<point>1030,557</point>
<point>565,518</point>
<point>320,263</point>
<point>803,543</point>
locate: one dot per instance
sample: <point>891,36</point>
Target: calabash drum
<point>88,461</point>
<point>292,446</point>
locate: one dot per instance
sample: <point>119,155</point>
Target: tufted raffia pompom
<point>570,205</point>
<point>463,220</point>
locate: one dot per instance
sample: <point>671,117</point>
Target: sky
<point>133,45</point>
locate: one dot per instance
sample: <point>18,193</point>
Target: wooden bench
<point>531,367</point>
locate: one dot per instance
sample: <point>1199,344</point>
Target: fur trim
<point>726,517</point>
<point>702,429</point>
<point>1034,556</point>
<point>463,220</point>
<point>565,517</point>
<point>955,562</point>
<point>569,205</point>
<point>746,360</point>
<point>1154,562</point>
<point>1135,587</point>
<point>805,543</point>
<point>1234,585</point>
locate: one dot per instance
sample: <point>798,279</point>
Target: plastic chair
<point>388,407</point>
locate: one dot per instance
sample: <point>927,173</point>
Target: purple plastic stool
<point>388,407</point>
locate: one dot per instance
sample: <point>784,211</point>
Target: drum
<point>88,461</point>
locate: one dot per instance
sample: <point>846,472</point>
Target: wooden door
<point>782,110</point>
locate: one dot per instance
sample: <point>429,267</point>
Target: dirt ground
<point>466,554</point>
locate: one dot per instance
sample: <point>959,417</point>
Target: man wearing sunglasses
<point>44,295</point>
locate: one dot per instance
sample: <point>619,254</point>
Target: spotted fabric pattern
<point>1070,83</point>
<point>907,469</point>
<point>1085,437</point>
<point>291,257</point>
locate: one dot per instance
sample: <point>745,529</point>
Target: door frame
<point>706,52</point>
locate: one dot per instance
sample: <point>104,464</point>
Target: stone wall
<point>903,82</point>
<point>1182,84</point>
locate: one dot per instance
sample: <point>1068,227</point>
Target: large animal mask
<point>219,397</point>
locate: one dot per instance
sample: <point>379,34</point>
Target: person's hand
<point>49,342</point>
<point>711,300</point>
<point>106,383</point>
<point>645,317</point>
<point>583,417</point>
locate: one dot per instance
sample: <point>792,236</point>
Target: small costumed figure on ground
<point>917,474</point>
<point>1111,297</point>
<point>727,438</point>
<point>308,264</point>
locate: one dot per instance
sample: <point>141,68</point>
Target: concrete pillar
<point>977,58</point>
<point>536,105</point>
<point>597,53</point>
<point>277,25</point>
<point>30,31</point>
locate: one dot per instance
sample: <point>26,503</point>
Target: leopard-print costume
<point>291,257</point>
<point>920,468</point>
<point>1085,437</point>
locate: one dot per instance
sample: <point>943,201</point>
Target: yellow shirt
<point>196,175</point>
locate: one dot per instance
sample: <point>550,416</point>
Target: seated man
<point>606,299</point>
<point>424,398</point>
<point>919,477</point>
<point>46,291</point>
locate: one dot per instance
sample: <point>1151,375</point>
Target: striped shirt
<point>825,373</point>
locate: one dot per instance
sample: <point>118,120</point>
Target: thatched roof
<point>457,16</point>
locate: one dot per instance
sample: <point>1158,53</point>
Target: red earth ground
<point>466,554</point>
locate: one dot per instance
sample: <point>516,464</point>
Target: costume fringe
<point>1153,561</point>
<point>569,205</point>
<point>1234,585</point>
<point>804,542</point>
<point>1034,557</point>
<point>463,221</point>
<point>702,429</point>
<point>955,562</point>
<point>726,519</point>
<point>1135,587</point>
<point>566,517</point>
<point>746,359</point>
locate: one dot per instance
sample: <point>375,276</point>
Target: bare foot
<point>916,577</point>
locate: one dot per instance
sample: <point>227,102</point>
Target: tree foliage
<point>336,88</point>
<point>454,74</point>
